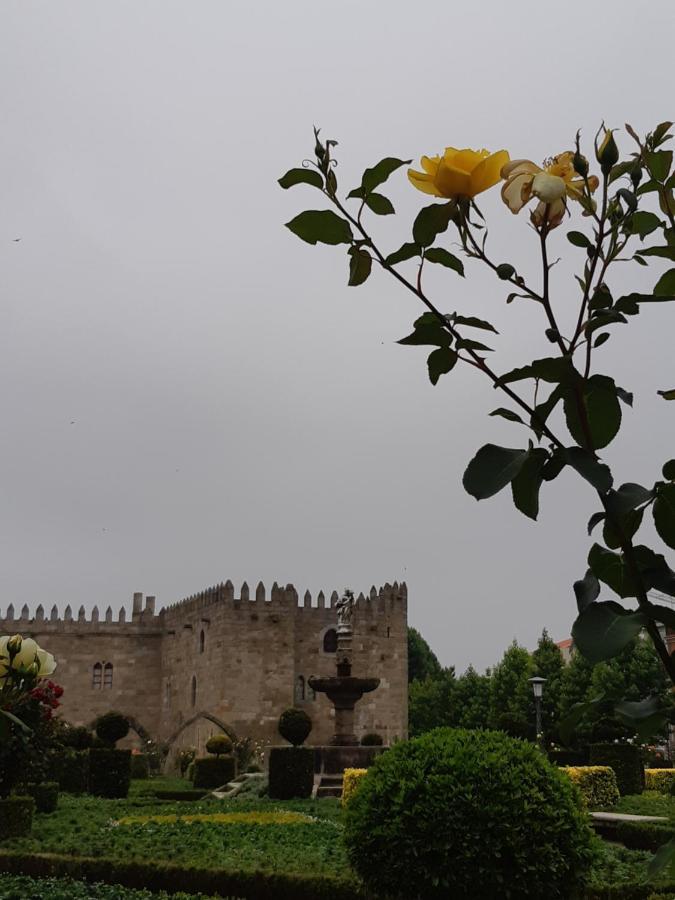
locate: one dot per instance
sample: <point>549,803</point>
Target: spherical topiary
<point>219,745</point>
<point>112,727</point>
<point>294,725</point>
<point>79,737</point>
<point>372,740</point>
<point>462,814</point>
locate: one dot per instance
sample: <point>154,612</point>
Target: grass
<point>650,803</point>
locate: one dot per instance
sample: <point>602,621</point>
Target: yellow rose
<point>26,656</point>
<point>46,663</point>
<point>459,173</point>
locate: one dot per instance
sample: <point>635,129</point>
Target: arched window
<point>299,689</point>
<point>97,676</point>
<point>201,641</point>
<point>107,675</point>
<point>193,691</point>
<point>330,641</point>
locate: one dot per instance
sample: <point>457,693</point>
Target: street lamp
<point>538,690</point>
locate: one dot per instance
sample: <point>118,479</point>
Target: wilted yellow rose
<point>25,655</point>
<point>551,185</point>
<point>459,173</point>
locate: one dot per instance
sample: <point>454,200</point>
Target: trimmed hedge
<point>71,769</point>
<point>569,757</point>
<point>170,877</point>
<point>626,760</point>
<point>16,816</point>
<point>213,771</point>
<point>597,784</point>
<point>661,780</point>
<point>294,725</point>
<point>630,891</point>
<point>109,772</point>
<point>643,835</point>
<point>291,772</point>
<point>45,794</point>
<point>139,766</point>
<point>350,782</point>
<point>16,887</point>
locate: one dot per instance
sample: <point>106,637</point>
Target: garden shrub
<point>213,771</point>
<point>45,794</point>
<point>139,766</point>
<point>185,757</point>
<point>294,725</point>
<point>190,773</point>
<point>597,784</point>
<point>350,781</point>
<point>291,772</point>
<point>219,745</point>
<point>111,727</point>
<point>457,813</point>
<point>569,757</point>
<point>16,816</point>
<point>626,760</point>
<point>78,737</point>
<point>642,835</point>
<point>109,772</point>
<point>661,780</point>
<point>372,740</point>
<point>21,887</point>
<point>71,769</point>
<point>187,795</point>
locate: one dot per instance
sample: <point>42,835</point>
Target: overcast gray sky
<point>192,394</point>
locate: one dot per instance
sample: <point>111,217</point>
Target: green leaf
<point>380,205</point>
<point>601,339</point>
<point>590,468</point>
<point>491,469</point>
<point>554,466</point>
<point>667,395</point>
<point>577,712</point>
<point>378,174</point>
<point>301,176</point>
<point>622,168</point>
<point>602,630</point>
<point>594,520</point>
<point>643,223</point>
<point>629,523</point>
<point>321,226</point>
<point>16,720</point>
<point>586,590</point>
<point>628,304</point>
<point>439,255</point>
<point>655,571</point>
<point>659,164</point>
<point>665,286</point>
<point>578,239</point>
<point>472,322</point>
<point>611,569</point>
<point>556,370</point>
<point>468,344</point>
<point>602,411</point>
<point>406,251</point>
<point>432,221</point>
<point>647,717</point>
<point>601,299</point>
<point>664,513</point>
<point>527,483</point>
<point>667,251</point>
<point>543,410</point>
<point>664,858</point>
<point>628,497</point>
<point>625,396</point>
<point>440,362</point>
<point>507,414</point>
<point>505,271</point>
<point>602,319</point>
<point>428,331</point>
<point>360,265</point>
<point>668,470</point>
<point>665,614</point>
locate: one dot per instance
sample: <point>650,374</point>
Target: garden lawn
<point>650,803</point>
<point>87,826</point>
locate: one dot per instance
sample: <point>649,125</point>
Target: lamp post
<point>538,690</point>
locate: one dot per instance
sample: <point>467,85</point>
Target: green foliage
<point>139,766</point>
<point>321,226</point>
<point>511,699</point>
<point>187,796</point>
<point>213,771</point>
<point>185,758</point>
<point>46,795</point>
<point>416,826</point>
<point>13,887</point>
<point>294,725</point>
<point>626,760</point>
<point>491,469</point>
<point>79,737</point>
<point>219,745</point>
<point>16,816</point>
<point>547,662</point>
<point>431,703</point>
<point>422,661</point>
<point>111,727</point>
<point>109,772</point>
<point>291,772</point>
<point>597,785</point>
<point>71,768</point>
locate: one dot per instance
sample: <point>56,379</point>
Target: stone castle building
<point>215,661</point>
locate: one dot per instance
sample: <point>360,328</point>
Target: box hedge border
<point>174,878</point>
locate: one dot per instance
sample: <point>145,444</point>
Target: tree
<point>547,662</point>
<point>432,702</point>
<point>472,699</point>
<point>422,661</point>
<point>511,703</point>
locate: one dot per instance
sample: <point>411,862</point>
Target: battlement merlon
<point>392,597</point>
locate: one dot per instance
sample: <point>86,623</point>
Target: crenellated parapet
<point>143,619</point>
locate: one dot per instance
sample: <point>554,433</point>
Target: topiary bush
<point>372,740</point>
<point>78,737</point>
<point>219,745</point>
<point>350,781</point>
<point>71,769</point>
<point>626,760</point>
<point>46,795</point>
<point>597,785</point>
<point>213,771</point>
<point>111,727</point>
<point>457,813</point>
<point>291,772</point>
<point>16,816</point>
<point>109,772</point>
<point>295,725</point>
<point>139,766</point>
<point>661,780</point>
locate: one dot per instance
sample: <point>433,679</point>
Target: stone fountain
<point>343,689</point>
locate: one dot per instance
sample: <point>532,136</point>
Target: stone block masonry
<point>216,661</point>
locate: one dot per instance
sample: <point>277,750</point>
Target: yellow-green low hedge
<point>597,784</point>
<point>350,781</point>
<point>660,780</point>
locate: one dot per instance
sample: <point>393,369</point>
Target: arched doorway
<point>224,727</point>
